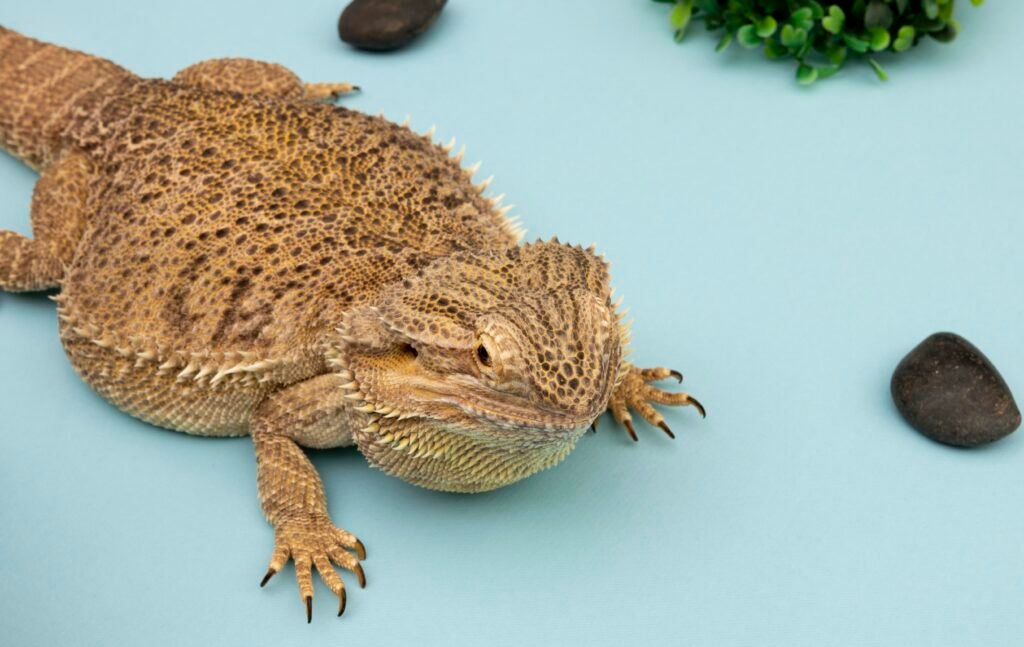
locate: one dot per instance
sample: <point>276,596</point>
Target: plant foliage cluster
<point>819,36</point>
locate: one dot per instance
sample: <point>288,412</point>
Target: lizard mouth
<point>499,407</point>
<point>461,397</point>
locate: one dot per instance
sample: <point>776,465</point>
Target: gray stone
<point>386,24</point>
<point>949,391</point>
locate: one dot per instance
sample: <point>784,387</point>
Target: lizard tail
<point>40,87</point>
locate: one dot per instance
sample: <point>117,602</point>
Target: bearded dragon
<point>235,256</point>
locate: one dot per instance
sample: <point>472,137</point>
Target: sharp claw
<point>266,578</point>
<point>361,575</point>
<point>700,407</point>
<point>629,428</point>
<point>360,550</point>
<point>341,603</point>
<point>593,425</point>
<point>676,374</point>
<point>664,427</point>
<point>309,609</point>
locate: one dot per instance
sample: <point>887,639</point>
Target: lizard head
<point>499,358</point>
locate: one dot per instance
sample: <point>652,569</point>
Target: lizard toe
<point>636,393</point>
<point>314,542</point>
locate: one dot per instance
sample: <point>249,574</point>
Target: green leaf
<point>806,74</point>
<point>802,18</point>
<point>836,53</point>
<point>773,49</point>
<point>947,34</point>
<point>904,39</point>
<point>766,26</point>
<point>679,17</point>
<point>747,36</point>
<point>878,14</point>
<point>833,22</point>
<point>880,38</point>
<point>882,76</point>
<point>826,71</point>
<point>925,24</point>
<point>931,8</point>
<point>856,44</point>
<point>723,42</point>
<point>793,37</point>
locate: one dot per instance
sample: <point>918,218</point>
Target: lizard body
<point>236,257</point>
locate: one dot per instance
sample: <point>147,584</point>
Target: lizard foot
<point>635,392</point>
<point>313,540</point>
<point>327,92</point>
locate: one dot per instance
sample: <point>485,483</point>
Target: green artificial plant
<point>820,37</point>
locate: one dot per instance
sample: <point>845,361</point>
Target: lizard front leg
<point>634,391</point>
<point>258,77</point>
<point>58,220</point>
<point>313,414</point>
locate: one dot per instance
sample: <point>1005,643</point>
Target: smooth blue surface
<point>784,247</point>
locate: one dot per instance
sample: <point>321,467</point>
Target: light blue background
<point>783,247</point>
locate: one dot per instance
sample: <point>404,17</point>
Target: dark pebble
<point>949,391</point>
<point>386,24</point>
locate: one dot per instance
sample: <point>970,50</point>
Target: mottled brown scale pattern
<point>243,75</point>
<point>249,200</point>
<point>235,257</point>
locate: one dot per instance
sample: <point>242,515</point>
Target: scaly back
<point>230,222</point>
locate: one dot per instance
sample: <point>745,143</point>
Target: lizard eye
<point>483,355</point>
